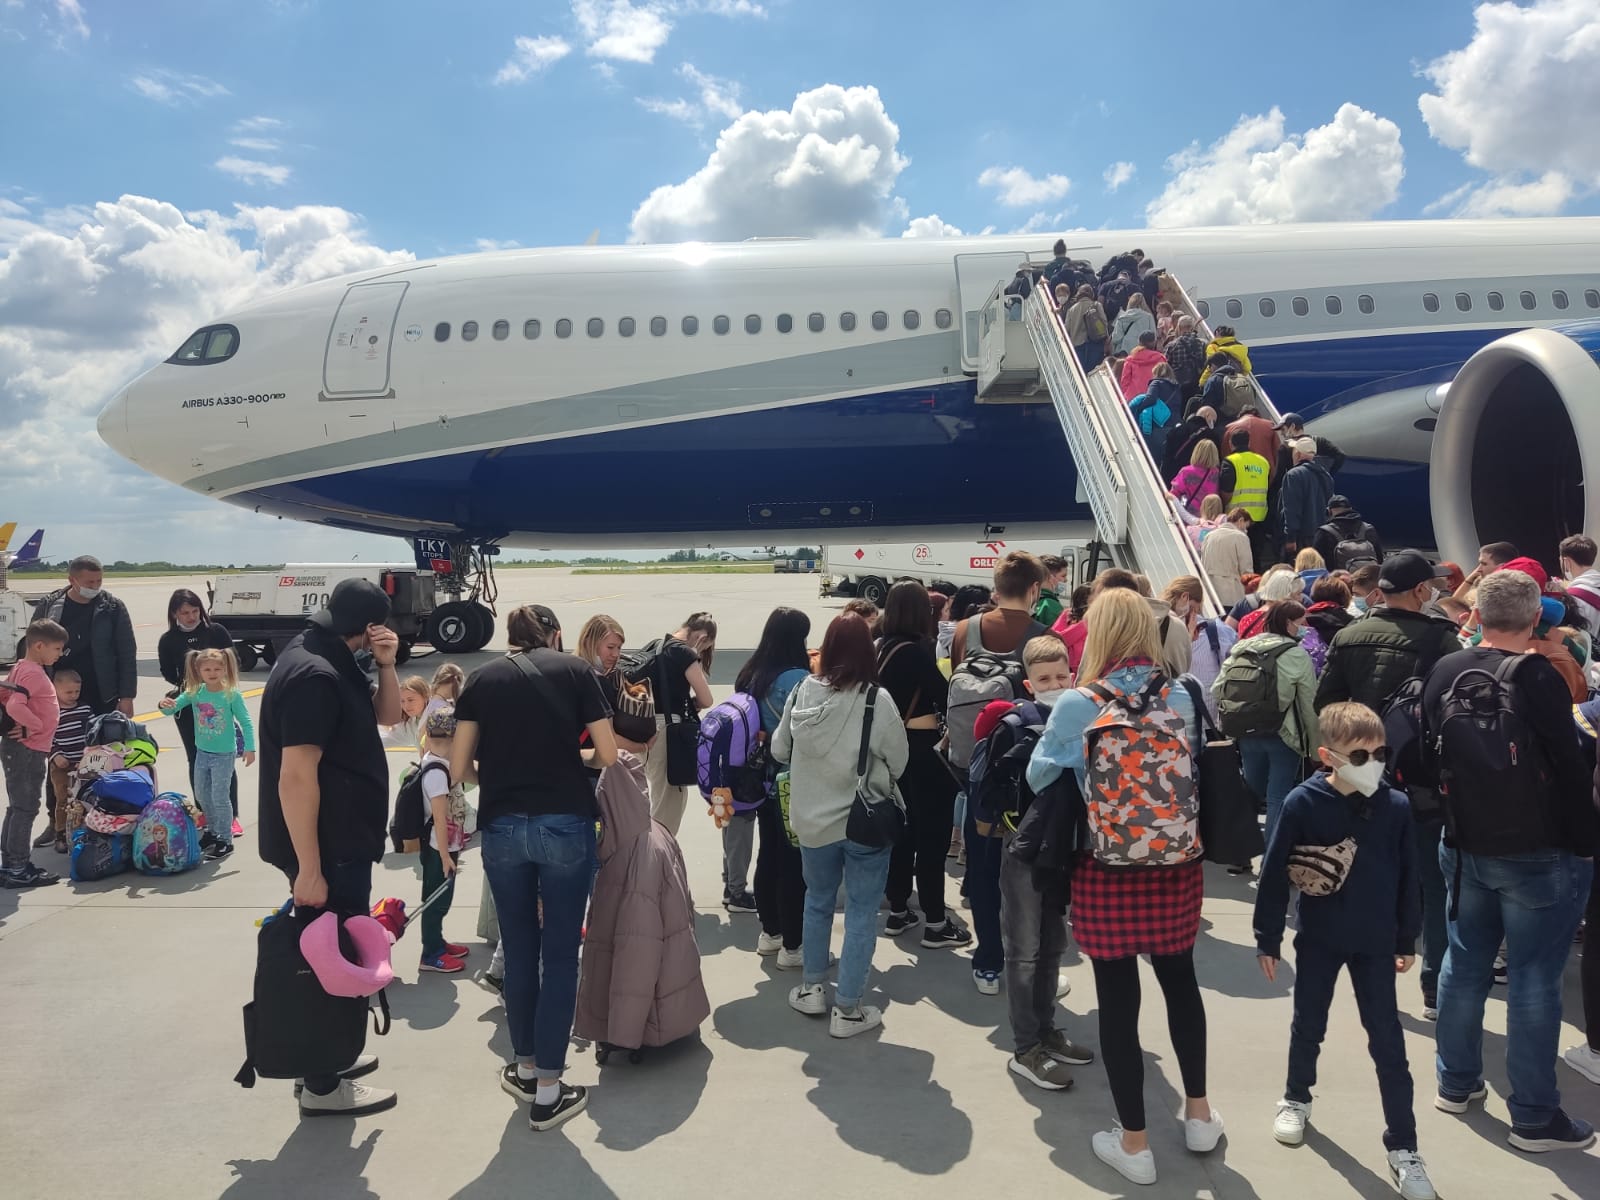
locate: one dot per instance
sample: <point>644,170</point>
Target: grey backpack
<point>982,677</point>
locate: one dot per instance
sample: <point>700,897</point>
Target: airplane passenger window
<point>815,323</point>
<point>719,324</point>
<point>441,331</point>
<point>1203,307</point>
<point>1592,298</point>
<point>691,326</point>
<point>785,323</point>
<point>626,326</point>
<point>469,331</point>
<point>752,324</point>
<point>1559,297</point>
<point>502,330</point>
<point>1365,304</point>
<point>880,321</point>
<point>1268,306</point>
<point>1333,304</point>
<point>847,322</point>
<point>1463,302</point>
<point>1430,301</point>
<point>1496,301</point>
<point>1235,309</point>
<point>912,318</point>
<point>596,327</point>
<point>1300,305</point>
<point>530,330</point>
<point>1528,300</point>
<point>658,326</point>
<point>943,319</point>
<point>563,328</point>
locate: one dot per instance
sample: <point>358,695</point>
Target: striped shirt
<point>72,734</point>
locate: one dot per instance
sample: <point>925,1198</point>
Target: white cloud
<point>931,226</point>
<point>174,87</point>
<point>825,166</point>
<point>259,144</point>
<point>717,98</point>
<point>1348,169</point>
<point>85,308</point>
<point>725,8</point>
<point>257,125</point>
<point>620,30</point>
<point>679,109</point>
<point>70,13</point>
<point>249,170</point>
<point>496,244</point>
<point>1041,222</point>
<point>1502,197</point>
<point>529,56</point>
<point>1019,189</point>
<point>1117,174</point>
<point>1518,101</point>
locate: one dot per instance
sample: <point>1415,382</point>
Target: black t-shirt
<point>670,685</point>
<point>173,648</point>
<point>528,759</point>
<point>908,671</point>
<point>78,619</point>
<point>317,696</point>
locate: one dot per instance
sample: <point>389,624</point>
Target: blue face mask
<point>1360,604</point>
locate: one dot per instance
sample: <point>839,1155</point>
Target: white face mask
<point>1051,696</point>
<point>1181,609</point>
<point>188,626</point>
<point>1365,778</point>
<point>87,594</point>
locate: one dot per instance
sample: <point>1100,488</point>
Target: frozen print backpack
<point>1143,805</point>
<point>165,841</point>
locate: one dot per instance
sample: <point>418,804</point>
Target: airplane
<point>771,389</point>
<point>29,551</point>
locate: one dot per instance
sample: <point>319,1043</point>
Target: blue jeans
<point>1533,902</point>
<point>213,773</point>
<point>983,894</point>
<point>1271,768</point>
<point>864,872</point>
<point>528,859</point>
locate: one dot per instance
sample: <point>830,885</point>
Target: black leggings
<point>1116,982</point>
<point>1589,970</point>
<point>930,796</point>
<point>780,886</point>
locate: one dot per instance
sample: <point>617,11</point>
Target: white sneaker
<point>987,982</point>
<point>1202,1136</point>
<point>364,1064</point>
<point>810,999</point>
<point>1410,1176</point>
<point>1063,986</point>
<point>1289,1126</point>
<point>1136,1168</point>
<point>769,943</point>
<point>842,1024</point>
<point>349,1099</point>
<point>795,960</point>
<point>1584,1061</point>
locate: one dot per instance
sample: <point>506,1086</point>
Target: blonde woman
<point>211,690</point>
<point>414,697</point>
<point>1121,912</point>
<point>1199,479</point>
<point>600,645</point>
<point>1308,565</point>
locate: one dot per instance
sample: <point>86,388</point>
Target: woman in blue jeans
<point>820,738</point>
<point>518,722</point>
<point>1272,761</point>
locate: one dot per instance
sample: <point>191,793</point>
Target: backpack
<point>413,817</point>
<point>165,841</point>
<point>115,727</point>
<point>983,676</point>
<point>1149,815</point>
<point>730,738</point>
<point>1236,393</point>
<point>1351,553</point>
<point>1094,324</point>
<point>1411,761</point>
<point>1247,702</point>
<point>7,721</point>
<point>99,855</point>
<point>1492,776</point>
<point>997,785</point>
<point>121,791</point>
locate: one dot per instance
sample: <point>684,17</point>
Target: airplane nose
<point>112,424</point>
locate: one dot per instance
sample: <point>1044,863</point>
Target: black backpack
<point>1247,703</point>
<point>412,817</point>
<point>997,783</point>
<point>1411,762</point>
<point>1493,778</point>
<point>7,721</point>
<point>1351,553</point>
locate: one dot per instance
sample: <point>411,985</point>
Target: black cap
<point>352,606</point>
<point>1339,502</point>
<point>545,616</point>
<point>1405,569</point>
<point>1294,419</point>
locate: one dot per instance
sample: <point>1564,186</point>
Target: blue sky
<point>276,142</point>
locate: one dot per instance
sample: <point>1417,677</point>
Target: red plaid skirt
<point>1118,912</point>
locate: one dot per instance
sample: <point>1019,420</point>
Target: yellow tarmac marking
<point>592,599</point>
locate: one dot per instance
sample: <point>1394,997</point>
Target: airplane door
<point>976,275</point>
<point>356,363</point>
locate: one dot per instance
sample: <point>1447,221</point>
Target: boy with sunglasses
<point>1344,840</point>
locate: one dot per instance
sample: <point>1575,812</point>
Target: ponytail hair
<point>192,681</point>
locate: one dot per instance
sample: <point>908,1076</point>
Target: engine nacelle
<point>1518,434</point>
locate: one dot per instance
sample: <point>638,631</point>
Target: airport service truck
<point>868,571</point>
<point>263,610</point>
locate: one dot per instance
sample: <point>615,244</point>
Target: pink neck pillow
<point>368,975</point>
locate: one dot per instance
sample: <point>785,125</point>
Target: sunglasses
<point>1360,758</point>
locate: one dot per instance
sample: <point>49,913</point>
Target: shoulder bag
<point>875,821</point>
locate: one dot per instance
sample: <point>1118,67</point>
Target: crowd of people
<point>1419,742</point>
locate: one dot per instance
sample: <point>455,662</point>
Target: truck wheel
<point>269,653</point>
<point>483,628</point>
<point>402,654</point>
<point>246,655</point>
<point>452,628</point>
<point>873,590</point>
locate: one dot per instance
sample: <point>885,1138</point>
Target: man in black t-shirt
<point>325,782</point>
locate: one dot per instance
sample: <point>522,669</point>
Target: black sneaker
<point>219,850</point>
<point>946,934</point>
<point>1500,976</point>
<point>740,902</point>
<point>572,1101</point>
<point>1561,1133</point>
<point>899,922</point>
<point>31,875</point>
<point>513,1084</point>
<point>47,838</point>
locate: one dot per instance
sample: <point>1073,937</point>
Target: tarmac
<point>120,1001</point>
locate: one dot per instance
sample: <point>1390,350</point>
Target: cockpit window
<point>213,344</point>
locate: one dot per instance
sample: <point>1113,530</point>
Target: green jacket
<point>1297,688</point>
<point>1049,609</point>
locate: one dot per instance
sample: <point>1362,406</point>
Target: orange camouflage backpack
<point>1141,796</point>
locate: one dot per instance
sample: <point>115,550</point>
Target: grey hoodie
<point>820,738</point>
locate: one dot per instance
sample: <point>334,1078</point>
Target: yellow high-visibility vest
<point>1250,475</point>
